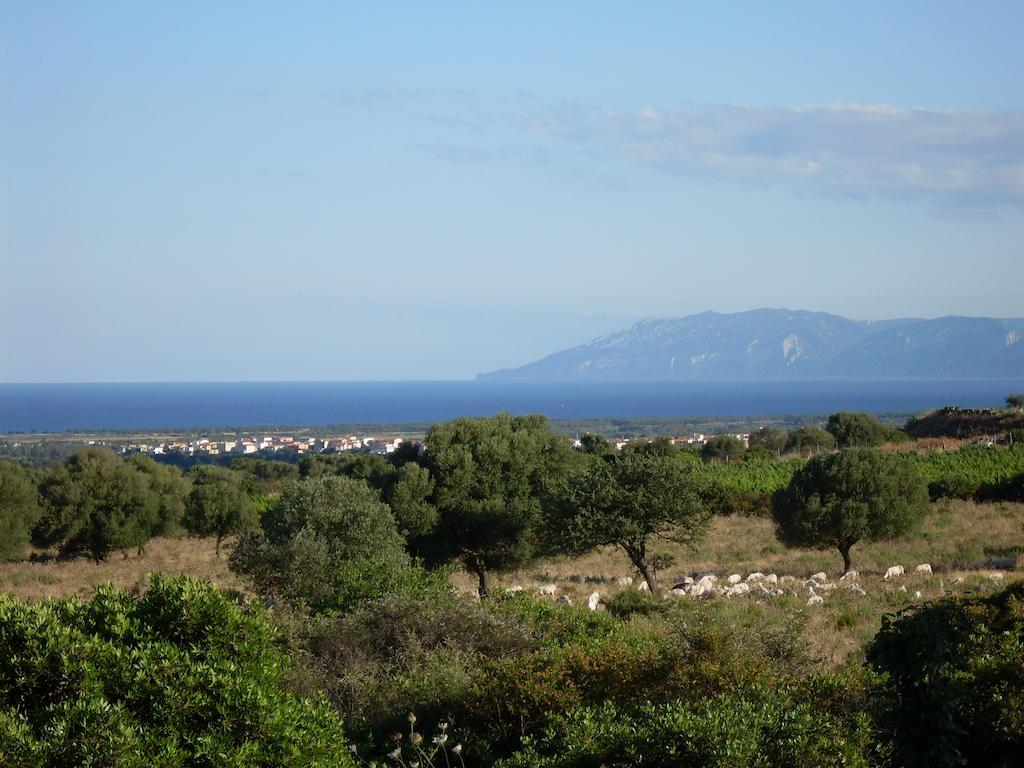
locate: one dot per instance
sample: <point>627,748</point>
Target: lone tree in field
<point>1015,400</point>
<point>219,504</point>
<point>843,498</point>
<point>856,430</point>
<point>490,480</point>
<point>628,502</point>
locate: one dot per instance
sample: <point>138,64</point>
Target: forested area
<point>350,643</point>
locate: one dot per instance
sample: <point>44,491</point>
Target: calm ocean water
<point>59,407</point>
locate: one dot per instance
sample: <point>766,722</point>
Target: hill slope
<point>774,344</point>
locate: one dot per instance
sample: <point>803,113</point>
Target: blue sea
<point>60,407</point>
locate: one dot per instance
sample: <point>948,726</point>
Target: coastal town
<point>273,444</point>
<point>284,446</point>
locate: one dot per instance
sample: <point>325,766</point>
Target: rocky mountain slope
<point>779,344</point>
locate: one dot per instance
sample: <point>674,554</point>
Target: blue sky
<point>325,190</point>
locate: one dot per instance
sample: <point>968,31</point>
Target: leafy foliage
<point>759,728</point>
<point>19,509</point>
<point>491,477</point>
<point>627,503</point>
<point>810,440</point>
<point>327,542</point>
<point>843,498</point>
<point>861,430</point>
<point>177,677</point>
<point>219,504</point>
<point>723,448</point>
<point>954,680</point>
<point>971,472</point>
<point>96,503</point>
<point>171,490</point>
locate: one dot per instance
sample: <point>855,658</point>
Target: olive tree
<point>629,502</point>
<point>860,430</point>
<point>95,503</point>
<point>19,509</point>
<point>491,477</point>
<point>843,498</point>
<point>323,535</point>
<point>219,504</point>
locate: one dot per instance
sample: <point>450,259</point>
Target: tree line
<point>490,494</point>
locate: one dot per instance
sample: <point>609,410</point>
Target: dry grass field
<point>62,578</point>
<point>955,535</point>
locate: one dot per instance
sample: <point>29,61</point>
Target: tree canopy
<point>723,448</point>
<point>19,509</point>
<point>320,534</point>
<point>810,440</point>
<point>860,430</point>
<point>627,503</point>
<point>96,503</point>
<point>491,478</point>
<point>843,498</point>
<point>770,438</point>
<point>219,504</point>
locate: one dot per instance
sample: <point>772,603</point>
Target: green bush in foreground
<point>177,677</point>
<point>954,681</point>
<point>758,728</point>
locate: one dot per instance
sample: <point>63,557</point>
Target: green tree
<point>856,430</point>
<point>598,445</point>
<point>770,438</point>
<point>628,503</point>
<point>219,504</point>
<point>321,533</point>
<point>171,489</point>
<point>19,509</point>
<point>409,499</point>
<point>659,446</point>
<point>95,503</point>
<point>810,440</point>
<point>491,476</point>
<point>179,676</point>
<point>840,499</point>
<point>723,448</point>
<point>1015,400</point>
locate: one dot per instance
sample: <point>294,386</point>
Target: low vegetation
<point>645,607</point>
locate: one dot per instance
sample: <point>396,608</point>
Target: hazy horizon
<point>247,192</point>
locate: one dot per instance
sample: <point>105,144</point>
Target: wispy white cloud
<point>960,162</point>
<point>953,159</point>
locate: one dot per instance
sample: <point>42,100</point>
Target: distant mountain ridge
<point>781,344</point>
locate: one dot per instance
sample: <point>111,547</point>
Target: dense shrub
<point>19,509</point>
<point>954,680</point>
<point>861,430</point>
<point>400,654</point>
<point>631,602</point>
<point>759,727</point>
<point>171,490</point>
<point>220,503</point>
<point>177,677</point>
<point>95,503</point>
<point>328,542</point>
<point>981,468</point>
